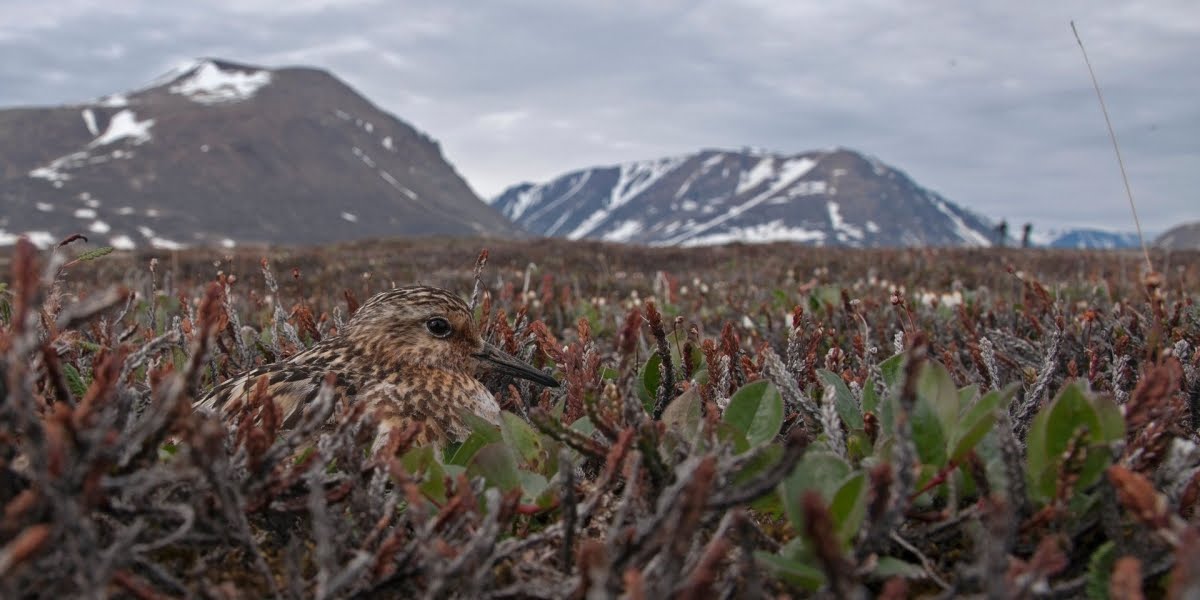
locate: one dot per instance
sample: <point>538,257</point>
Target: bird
<point>410,352</point>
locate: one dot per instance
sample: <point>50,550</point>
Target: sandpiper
<point>410,352</point>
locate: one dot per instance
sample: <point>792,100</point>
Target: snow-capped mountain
<point>1090,239</point>
<point>836,197</point>
<point>221,153</point>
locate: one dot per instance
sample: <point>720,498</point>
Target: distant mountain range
<point>223,154</point>
<point>1181,237</point>
<point>218,153</point>
<point>1085,238</point>
<point>836,197</point>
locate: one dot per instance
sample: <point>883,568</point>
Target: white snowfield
<point>210,84</point>
<point>124,125</point>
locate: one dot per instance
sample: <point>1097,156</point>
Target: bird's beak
<point>505,363</point>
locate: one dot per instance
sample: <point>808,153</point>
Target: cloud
<point>988,102</point>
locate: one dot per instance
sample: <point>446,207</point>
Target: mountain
<point>1094,239</point>
<point>836,197</point>
<point>1180,237</point>
<point>222,153</point>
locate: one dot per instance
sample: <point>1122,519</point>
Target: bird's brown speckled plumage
<point>390,356</point>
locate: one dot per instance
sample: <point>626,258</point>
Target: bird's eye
<point>439,327</point>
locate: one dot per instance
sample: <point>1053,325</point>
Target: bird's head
<point>432,327</point>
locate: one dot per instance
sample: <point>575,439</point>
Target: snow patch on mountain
<point>970,236</point>
<point>762,171</point>
<point>633,179</point>
<point>124,125</point>
<point>845,231</point>
<point>774,231</point>
<point>623,232</point>
<point>89,121</point>
<point>837,197</point>
<point>790,171</point>
<point>208,83</point>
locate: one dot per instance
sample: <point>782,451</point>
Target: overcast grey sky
<point>988,103</point>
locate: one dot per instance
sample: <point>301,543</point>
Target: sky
<point>988,103</point>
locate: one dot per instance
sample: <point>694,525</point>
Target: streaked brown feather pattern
<point>386,356</point>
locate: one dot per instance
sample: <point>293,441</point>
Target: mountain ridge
<point>223,153</point>
<point>829,197</point>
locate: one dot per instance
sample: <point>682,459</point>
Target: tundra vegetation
<point>741,421</point>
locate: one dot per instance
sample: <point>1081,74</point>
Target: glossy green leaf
<point>1053,428</point>
<point>757,411</point>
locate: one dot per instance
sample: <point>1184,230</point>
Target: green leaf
<point>483,432</point>
<point>757,411</point>
<point>935,387</point>
<point>650,377</point>
<point>843,399</point>
<point>1099,571</point>
<point>820,471</point>
<point>525,441</point>
<point>609,374</point>
<point>849,507</point>
<point>891,368</point>
<point>1053,428</point>
<point>733,436</point>
<point>421,463</point>
<point>870,400</point>
<point>890,566</point>
<point>497,465</point>
<point>584,425</point>
<point>763,459</point>
<point>977,421</point>
<point>966,395</point>
<point>929,436</point>
<point>1109,418</point>
<point>651,374</point>
<point>74,381</point>
<point>533,485</point>
<point>94,254</point>
<point>792,571</point>
<point>682,415</point>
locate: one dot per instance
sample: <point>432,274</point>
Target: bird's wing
<point>291,386</point>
